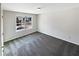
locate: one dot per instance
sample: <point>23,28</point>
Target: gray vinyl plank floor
<point>38,44</point>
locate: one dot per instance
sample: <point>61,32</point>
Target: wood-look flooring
<point>38,44</point>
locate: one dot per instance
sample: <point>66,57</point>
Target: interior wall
<point>62,24</point>
<point>9,20</point>
<point>0,29</point>
<point>0,24</point>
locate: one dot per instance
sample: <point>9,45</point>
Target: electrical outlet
<point>69,37</point>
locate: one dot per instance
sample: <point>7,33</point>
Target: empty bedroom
<point>40,29</point>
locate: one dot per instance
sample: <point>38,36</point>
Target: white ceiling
<point>32,7</point>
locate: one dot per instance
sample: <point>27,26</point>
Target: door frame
<point>2,35</point>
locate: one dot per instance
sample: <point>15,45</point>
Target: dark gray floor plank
<point>38,44</point>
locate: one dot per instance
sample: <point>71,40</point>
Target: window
<point>23,23</point>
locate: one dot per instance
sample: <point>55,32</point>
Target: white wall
<point>0,29</point>
<point>9,19</point>
<point>62,24</point>
<point>0,24</point>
